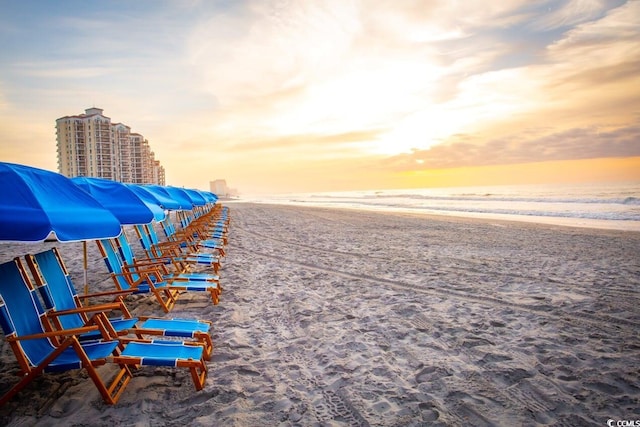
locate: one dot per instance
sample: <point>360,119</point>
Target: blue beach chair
<point>179,253</point>
<point>22,319</point>
<point>67,311</point>
<point>129,260</point>
<point>147,280</point>
<point>197,233</point>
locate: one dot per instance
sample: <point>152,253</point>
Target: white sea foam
<point>610,206</point>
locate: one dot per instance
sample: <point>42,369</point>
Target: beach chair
<point>22,319</point>
<point>66,310</point>
<point>190,237</point>
<point>216,220</point>
<point>204,231</point>
<point>180,252</point>
<point>213,224</point>
<point>150,280</point>
<point>140,282</point>
<point>182,274</point>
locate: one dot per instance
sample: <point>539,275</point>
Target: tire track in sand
<point>472,267</point>
<point>543,310</point>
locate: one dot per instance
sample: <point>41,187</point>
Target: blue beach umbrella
<point>160,195</point>
<point>211,197</point>
<point>36,203</point>
<point>206,195</point>
<point>121,200</point>
<point>151,197</point>
<point>195,196</point>
<point>199,202</point>
<point>180,196</point>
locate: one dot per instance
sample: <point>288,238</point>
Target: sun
<point>419,131</point>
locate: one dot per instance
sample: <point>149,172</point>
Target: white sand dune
<point>333,317</point>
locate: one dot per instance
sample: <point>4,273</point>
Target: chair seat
<point>176,327</point>
<point>193,276</point>
<point>69,359</point>
<point>117,324</point>
<point>161,353</point>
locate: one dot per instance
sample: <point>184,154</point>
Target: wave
<point>541,211</point>
<point>631,201</point>
<point>610,203</point>
<point>484,198</point>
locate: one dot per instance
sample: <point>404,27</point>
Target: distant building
<point>219,187</point>
<point>90,145</point>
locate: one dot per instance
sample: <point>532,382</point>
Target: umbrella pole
<point>86,283</point>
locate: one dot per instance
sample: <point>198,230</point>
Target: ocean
<point>607,206</point>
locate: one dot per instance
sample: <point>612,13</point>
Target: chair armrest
<point>60,333</point>
<point>86,309</point>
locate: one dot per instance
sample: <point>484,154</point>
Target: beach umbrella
<point>36,204</point>
<point>197,199</point>
<point>161,195</point>
<point>208,196</point>
<point>121,200</point>
<point>180,196</point>
<point>163,201</point>
<point>211,197</point>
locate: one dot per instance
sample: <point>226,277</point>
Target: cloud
<point>61,70</point>
<point>570,13</point>
<point>449,83</point>
<point>532,145</point>
<point>270,47</point>
<point>334,66</point>
<point>309,144</point>
<point>617,31</point>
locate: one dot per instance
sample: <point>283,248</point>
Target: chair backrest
<point>115,265</point>
<point>168,228</point>
<point>185,219</point>
<point>124,248</point>
<point>21,314</point>
<point>145,239</point>
<point>55,286</point>
<point>149,241</point>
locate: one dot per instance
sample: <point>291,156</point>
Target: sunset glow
<point>335,95</point>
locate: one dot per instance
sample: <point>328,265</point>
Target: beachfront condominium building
<point>90,145</point>
<point>218,187</point>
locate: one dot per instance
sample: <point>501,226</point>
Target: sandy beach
<point>350,318</point>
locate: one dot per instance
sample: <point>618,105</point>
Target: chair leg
<point>168,303</point>
<point>198,373</point>
<point>110,393</point>
<point>33,373</point>
<point>205,339</point>
<point>214,295</point>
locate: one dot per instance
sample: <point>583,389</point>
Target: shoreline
<point>533,221</point>
<point>341,317</point>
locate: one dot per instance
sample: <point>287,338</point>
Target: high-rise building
<point>90,145</point>
<point>219,187</point>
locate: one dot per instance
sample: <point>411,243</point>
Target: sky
<point>306,96</point>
